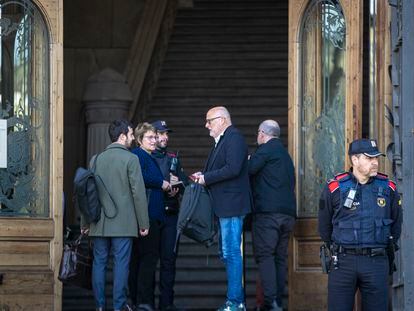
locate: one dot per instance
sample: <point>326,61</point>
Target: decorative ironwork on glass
<point>24,103</point>
<point>331,22</point>
<point>322,137</point>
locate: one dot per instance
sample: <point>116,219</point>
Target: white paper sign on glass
<point>3,143</point>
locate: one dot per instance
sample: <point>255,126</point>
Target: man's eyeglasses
<point>150,137</point>
<point>260,131</point>
<point>212,119</point>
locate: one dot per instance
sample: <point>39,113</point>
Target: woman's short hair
<point>141,129</point>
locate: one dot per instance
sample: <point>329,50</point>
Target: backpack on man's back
<point>86,194</point>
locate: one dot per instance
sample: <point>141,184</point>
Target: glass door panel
<point>24,105</point>
<point>322,117</point>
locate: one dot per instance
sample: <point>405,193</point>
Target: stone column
<point>107,97</point>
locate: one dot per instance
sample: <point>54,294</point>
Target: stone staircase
<point>223,52</point>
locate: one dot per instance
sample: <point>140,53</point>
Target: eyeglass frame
<point>150,137</point>
<point>212,119</point>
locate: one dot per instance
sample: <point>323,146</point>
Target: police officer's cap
<point>161,126</point>
<point>365,146</point>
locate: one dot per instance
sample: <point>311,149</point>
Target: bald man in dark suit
<point>226,176</point>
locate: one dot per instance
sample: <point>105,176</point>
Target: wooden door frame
<point>39,240</point>
<point>306,229</point>
<point>353,101</point>
<point>53,13</point>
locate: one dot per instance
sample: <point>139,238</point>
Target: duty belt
<point>363,251</point>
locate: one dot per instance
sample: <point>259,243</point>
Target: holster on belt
<point>391,249</point>
<point>325,257</point>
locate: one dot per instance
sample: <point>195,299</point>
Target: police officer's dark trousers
<point>369,274</point>
<point>167,261</point>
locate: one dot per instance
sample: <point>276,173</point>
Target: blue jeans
<point>121,251</point>
<point>230,253</point>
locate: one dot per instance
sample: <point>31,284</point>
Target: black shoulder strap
<point>103,184</point>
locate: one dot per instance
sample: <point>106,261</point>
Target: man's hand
<point>198,177</point>
<point>166,185</point>
<point>143,232</point>
<point>173,178</point>
<point>194,177</point>
<point>173,192</point>
<point>201,180</point>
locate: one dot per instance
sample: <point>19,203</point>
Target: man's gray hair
<point>222,112</point>
<point>270,127</point>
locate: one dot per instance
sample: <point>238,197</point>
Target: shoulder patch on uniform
<point>333,184</point>
<point>341,176</point>
<point>381,175</point>
<point>392,185</point>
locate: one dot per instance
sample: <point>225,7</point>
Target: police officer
<point>359,217</point>
<point>171,169</point>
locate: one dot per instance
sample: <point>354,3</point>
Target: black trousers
<point>143,265</point>
<point>168,257</point>
<point>270,243</point>
<point>369,274</point>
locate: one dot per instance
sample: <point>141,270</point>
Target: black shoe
<point>272,307</point>
<point>171,307</point>
<point>128,307</point>
<point>145,307</point>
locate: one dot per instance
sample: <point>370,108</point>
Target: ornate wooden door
<point>325,112</point>
<point>31,145</point>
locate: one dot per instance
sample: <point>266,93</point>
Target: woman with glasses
<point>145,251</point>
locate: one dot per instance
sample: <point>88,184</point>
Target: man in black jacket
<point>273,181</point>
<point>171,169</point>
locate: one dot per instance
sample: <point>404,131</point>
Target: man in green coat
<point>124,213</point>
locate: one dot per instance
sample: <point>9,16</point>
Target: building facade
<point>328,70</point>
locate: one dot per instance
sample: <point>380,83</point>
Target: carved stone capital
<point>107,97</point>
<point>105,111</point>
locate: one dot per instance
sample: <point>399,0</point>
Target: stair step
<point>251,73</point>
<point>215,64</point>
<point>218,83</point>
<point>231,102</point>
<point>234,21</point>
<point>220,30</point>
<point>205,14</point>
<point>199,104</point>
<point>225,56</point>
<point>221,91</point>
<point>213,38</point>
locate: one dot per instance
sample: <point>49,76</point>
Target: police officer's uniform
<point>169,228</point>
<point>358,220</point>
